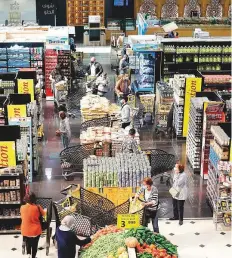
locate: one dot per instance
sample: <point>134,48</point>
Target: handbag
<point>174,192</point>
<point>43,222</point>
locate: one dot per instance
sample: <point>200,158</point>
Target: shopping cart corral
<point>45,203</point>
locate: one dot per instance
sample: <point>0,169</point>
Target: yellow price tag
<point>128,221</point>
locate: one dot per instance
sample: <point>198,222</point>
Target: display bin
<point>45,203</point>
<point>83,225</point>
<point>161,161</point>
<point>72,158</point>
<point>104,121</point>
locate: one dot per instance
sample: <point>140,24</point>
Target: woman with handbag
<point>151,203</point>
<point>179,192</point>
<point>31,228</point>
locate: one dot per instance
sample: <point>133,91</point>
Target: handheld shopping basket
<point>45,203</point>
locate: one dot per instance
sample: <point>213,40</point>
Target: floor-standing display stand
<point>219,181</point>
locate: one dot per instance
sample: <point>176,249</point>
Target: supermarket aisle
<point>195,239</point>
<point>50,182</point>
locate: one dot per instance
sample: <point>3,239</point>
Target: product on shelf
<point>217,79</point>
<point>213,114</point>
<point>194,138</point>
<point>78,11</point>
<point>123,170</point>
<point>220,176</point>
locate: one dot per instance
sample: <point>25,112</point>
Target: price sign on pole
<point>128,221</point>
<point>16,111</point>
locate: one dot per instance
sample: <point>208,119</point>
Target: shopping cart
<point>45,203</point>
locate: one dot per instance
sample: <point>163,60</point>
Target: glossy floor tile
<point>195,239</point>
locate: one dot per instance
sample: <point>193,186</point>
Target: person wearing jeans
<point>151,203</point>
<point>64,131</point>
<point>31,227</point>
<point>125,113</point>
<point>180,184</point>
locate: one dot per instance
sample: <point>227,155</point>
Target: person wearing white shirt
<point>94,68</point>
<point>125,113</point>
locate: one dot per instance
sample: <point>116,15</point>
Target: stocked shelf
<point>203,56</point>
<point>78,11</point>
<point>220,175</point>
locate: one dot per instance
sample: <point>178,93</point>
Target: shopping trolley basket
<point>45,203</point>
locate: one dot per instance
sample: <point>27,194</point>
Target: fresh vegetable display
<point>152,245</point>
<point>107,246</point>
<point>111,242</point>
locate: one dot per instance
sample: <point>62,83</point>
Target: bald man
<point>94,68</point>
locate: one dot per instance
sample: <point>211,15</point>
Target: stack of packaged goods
<point>95,107</point>
<point>194,138</point>
<point>123,170</point>
<point>220,177</point>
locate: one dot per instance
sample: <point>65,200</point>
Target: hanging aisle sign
<point>193,85</point>
<point>16,111</point>
<point>7,154</point>
<point>128,221</point>
<point>26,86</point>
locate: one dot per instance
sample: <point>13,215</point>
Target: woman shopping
<point>64,131</point>
<point>179,192</point>
<point>31,225</point>
<point>151,203</point>
<point>67,240</point>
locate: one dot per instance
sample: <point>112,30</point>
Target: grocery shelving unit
<point>194,138</point>
<point>11,196</point>
<point>219,182</point>
<point>201,54</point>
<point>78,11</point>
<point>14,56</point>
<point>213,115</point>
<point>163,104</point>
<point>185,86</point>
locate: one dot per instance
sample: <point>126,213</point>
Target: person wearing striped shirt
<point>151,203</point>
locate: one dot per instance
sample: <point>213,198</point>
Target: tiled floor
<point>195,239</point>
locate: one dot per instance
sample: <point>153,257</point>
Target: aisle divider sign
<point>7,154</point>
<point>16,111</point>
<point>128,221</point>
<point>26,86</point>
<point>193,85</point>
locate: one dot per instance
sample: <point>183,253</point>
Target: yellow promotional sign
<point>7,154</point>
<point>26,86</point>
<point>111,194</point>
<point>128,221</point>
<point>193,85</point>
<point>16,111</point>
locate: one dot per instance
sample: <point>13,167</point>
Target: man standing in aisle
<point>125,112</point>
<point>129,144</point>
<point>94,68</point>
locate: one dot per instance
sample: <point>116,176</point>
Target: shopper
<point>102,84</point>
<point>122,87</point>
<point>94,68</point>
<point>31,227</point>
<point>67,240</point>
<point>64,131</point>
<point>129,144</point>
<point>123,65</point>
<point>151,203</point>
<point>180,184</point>
<point>125,112</point>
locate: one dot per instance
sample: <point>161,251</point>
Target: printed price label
<point>128,221</point>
